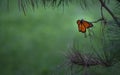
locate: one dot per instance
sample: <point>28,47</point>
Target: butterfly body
<point>83,25</point>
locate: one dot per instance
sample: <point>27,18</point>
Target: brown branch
<point>110,12</point>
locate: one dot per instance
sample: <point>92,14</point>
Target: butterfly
<point>83,25</point>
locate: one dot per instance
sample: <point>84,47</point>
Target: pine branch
<point>110,12</point>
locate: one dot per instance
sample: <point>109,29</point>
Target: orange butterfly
<point>83,25</point>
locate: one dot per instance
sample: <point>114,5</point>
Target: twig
<point>101,19</point>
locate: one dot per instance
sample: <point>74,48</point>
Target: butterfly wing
<point>81,27</point>
<point>87,24</point>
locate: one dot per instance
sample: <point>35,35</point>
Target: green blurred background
<point>34,44</point>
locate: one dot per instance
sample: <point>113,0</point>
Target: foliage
<point>27,42</point>
<point>24,4</point>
